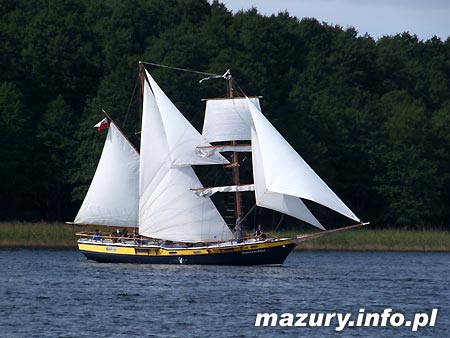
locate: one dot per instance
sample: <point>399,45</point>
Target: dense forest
<point>371,117</point>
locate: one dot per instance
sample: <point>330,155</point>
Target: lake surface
<point>52,293</point>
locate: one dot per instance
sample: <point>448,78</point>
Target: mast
<point>235,163</point>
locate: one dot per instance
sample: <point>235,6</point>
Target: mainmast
<point>235,164</point>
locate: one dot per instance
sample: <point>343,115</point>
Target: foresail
<point>228,119</point>
<point>168,209</point>
<point>112,198</point>
<point>286,204</point>
<point>286,172</point>
<point>181,137</point>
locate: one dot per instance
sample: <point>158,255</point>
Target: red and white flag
<point>103,124</point>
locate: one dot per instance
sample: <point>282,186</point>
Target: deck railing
<point>143,240</point>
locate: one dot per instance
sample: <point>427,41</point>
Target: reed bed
<point>60,235</point>
<point>43,234</point>
<point>378,240</point>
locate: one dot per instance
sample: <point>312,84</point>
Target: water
<point>50,293</point>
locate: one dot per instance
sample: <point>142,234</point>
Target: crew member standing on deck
<point>259,234</point>
<point>97,236</point>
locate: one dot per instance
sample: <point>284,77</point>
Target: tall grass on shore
<point>378,240</point>
<point>60,235</point>
<point>45,235</point>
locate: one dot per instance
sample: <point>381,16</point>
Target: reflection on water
<point>50,293</point>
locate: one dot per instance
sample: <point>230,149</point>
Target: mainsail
<point>112,198</point>
<point>285,172</point>
<point>168,208</point>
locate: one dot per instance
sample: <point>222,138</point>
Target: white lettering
<point>266,317</point>
<point>394,322</point>
<point>328,318</point>
<point>385,315</point>
<point>420,319</point>
<point>313,321</point>
<point>318,319</point>
<point>433,317</point>
<point>286,319</point>
<point>374,316</point>
<point>301,321</point>
<point>360,317</point>
<point>342,321</point>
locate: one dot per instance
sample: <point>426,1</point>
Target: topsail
<point>228,119</point>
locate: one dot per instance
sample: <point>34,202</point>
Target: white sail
<point>168,209</point>
<point>173,212</point>
<point>155,157</point>
<point>228,119</point>
<point>286,204</point>
<point>286,172</point>
<point>181,136</point>
<point>112,198</point>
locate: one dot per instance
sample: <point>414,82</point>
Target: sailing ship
<point>156,191</point>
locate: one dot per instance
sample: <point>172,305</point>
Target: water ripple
<point>51,293</point>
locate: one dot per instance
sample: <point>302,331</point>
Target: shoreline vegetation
<point>60,235</point>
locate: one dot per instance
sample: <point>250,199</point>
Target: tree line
<point>371,117</point>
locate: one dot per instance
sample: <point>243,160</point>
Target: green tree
<point>371,117</point>
<point>440,153</point>
<point>18,193</point>
<point>55,136</point>
<point>406,174</point>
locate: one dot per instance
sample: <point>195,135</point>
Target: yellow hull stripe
<point>143,251</point>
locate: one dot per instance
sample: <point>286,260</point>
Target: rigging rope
<point>226,75</point>
<point>131,100</point>
<point>239,87</point>
<point>181,69</point>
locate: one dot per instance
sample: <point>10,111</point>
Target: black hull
<point>263,255</point>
